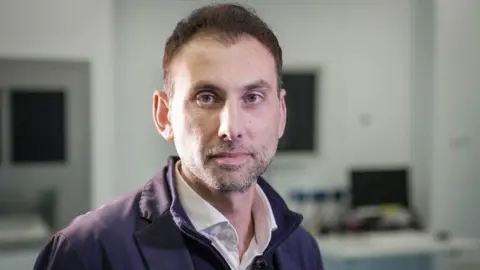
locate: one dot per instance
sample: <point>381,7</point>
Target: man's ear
<point>283,113</point>
<point>161,114</point>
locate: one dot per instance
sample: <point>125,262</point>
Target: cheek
<point>264,127</point>
<point>199,125</point>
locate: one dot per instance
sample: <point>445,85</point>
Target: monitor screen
<point>37,126</point>
<point>379,187</point>
<point>301,100</point>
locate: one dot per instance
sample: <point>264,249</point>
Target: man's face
<point>225,114</point>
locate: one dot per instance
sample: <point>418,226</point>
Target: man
<point>224,109</point>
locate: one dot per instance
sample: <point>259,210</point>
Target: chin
<point>233,187</point>
<point>232,181</point>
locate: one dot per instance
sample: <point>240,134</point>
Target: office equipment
<point>40,138</point>
<point>379,200</point>
<point>27,218</point>
<point>376,187</point>
<point>45,133</point>
<point>20,230</point>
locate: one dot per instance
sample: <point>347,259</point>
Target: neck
<point>235,206</point>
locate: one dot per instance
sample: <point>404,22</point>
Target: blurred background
<point>382,151</point>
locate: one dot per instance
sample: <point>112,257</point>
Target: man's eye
<point>253,98</point>
<point>206,98</point>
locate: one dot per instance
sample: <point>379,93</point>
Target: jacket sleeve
<point>59,254</point>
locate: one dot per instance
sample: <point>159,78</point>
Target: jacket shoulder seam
<point>73,247</point>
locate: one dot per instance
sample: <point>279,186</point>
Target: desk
<point>19,259</point>
<point>22,230</point>
<point>22,237</point>
<point>413,250</point>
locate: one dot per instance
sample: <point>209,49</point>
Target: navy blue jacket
<point>149,229</point>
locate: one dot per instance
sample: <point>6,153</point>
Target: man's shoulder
<point>91,237</point>
<point>304,249</point>
<point>113,218</point>
<point>301,239</point>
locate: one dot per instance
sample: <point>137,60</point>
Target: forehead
<point>229,65</point>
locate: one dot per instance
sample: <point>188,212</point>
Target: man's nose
<point>231,127</point>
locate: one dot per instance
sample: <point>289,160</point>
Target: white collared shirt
<point>210,222</point>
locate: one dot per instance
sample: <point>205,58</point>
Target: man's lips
<point>229,158</point>
<point>230,155</point>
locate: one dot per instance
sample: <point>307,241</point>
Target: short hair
<point>227,23</point>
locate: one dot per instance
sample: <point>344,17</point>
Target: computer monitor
<point>300,131</point>
<point>374,187</point>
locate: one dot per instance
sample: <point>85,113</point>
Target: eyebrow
<point>255,85</point>
<point>259,84</point>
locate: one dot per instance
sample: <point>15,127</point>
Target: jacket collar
<point>160,211</point>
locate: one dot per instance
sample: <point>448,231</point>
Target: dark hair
<point>227,23</point>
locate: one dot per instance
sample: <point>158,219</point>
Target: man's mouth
<point>231,158</point>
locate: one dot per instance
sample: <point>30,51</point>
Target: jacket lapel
<point>161,244</point>
<point>159,239</point>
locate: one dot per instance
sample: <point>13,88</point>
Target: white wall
<point>422,103</point>
<point>59,29</point>
<point>363,49</point>
<point>456,143</point>
<point>456,160</point>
